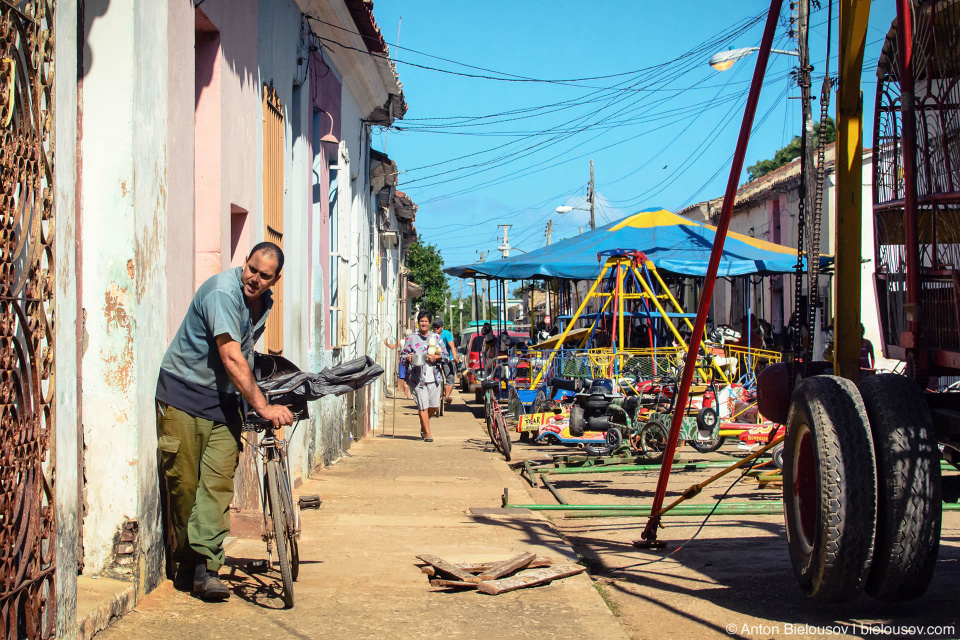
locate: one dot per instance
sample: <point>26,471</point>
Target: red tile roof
<point>362,13</point>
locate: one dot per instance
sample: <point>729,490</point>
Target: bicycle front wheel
<point>279,522</point>
<point>504,435</point>
<point>293,552</point>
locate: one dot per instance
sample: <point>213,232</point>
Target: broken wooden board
<point>453,583</point>
<point>449,568</point>
<point>530,578</point>
<point>507,566</point>
<point>481,567</point>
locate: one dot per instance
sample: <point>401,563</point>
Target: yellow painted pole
<point>673,328</point>
<point>676,304</point>
<point>573,321</point>
<point>854,16</point>
<point>621,272</point>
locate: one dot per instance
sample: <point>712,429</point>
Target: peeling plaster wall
<point>66,369</point>
<point>124,197</point>
<point>109,288</point>
<point>148,264</point>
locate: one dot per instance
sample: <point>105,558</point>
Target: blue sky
<point>624,83</point>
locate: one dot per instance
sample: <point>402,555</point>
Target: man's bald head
<point>268,249</point>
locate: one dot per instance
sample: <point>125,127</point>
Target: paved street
<point>392,499</point>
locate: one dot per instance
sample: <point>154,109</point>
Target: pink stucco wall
<point>181,102</point>
<point>207,150</point>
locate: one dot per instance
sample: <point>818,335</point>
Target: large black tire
<point>613,441</point>
<point>504,435</point>
<point>652,439</point>
<point>776,454</point>
<point>514,405</point>
<point>708,446</point>
<point>829,489</point>
<point>278,521</point>
<point>578,425</point>
<point>909,511</point>
<point>539,402</point>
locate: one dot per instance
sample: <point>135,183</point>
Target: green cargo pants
<point>199,459</point>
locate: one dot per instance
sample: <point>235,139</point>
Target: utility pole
<point>483,297</point>
<point>592,194</point>
<point>549,233</point>
<point>806,135</point>
<point>460,301</point>
<point>505,247</point>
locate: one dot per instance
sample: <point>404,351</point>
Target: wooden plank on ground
<point>507,567</point>
<point>530,578</point>
<point>482,567</point>
<point>453,583</point>
<point>448,568</point>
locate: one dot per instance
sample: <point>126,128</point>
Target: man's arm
<point>242,378</point>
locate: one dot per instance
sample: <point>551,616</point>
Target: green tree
<point>791,152</point>
<point>426,269</point>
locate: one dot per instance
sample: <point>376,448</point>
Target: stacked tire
<point>861,488</point>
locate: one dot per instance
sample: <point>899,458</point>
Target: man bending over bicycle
<point>205,370</point>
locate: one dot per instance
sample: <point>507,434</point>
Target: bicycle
<point>281,517</point>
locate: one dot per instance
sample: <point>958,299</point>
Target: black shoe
<point>183,578</point>
<point>207,585</point>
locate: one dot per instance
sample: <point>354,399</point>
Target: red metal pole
<point>909,146</point>
<point>650,531</point>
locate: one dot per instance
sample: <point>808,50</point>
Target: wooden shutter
<point>273,206</point>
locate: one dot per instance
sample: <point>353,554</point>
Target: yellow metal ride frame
<point>625,264</point>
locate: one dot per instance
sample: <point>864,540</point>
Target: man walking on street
<point>206,369</point>
<point>449,371</point>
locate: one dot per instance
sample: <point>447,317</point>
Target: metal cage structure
<point>935,93</point>
<point>27,528</point>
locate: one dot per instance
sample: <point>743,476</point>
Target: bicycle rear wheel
<point>279,522</point>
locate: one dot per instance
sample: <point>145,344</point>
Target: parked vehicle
<point>471,346</point>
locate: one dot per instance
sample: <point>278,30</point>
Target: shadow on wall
<point>237,52</point>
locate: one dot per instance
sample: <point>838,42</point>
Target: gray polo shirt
<point>192,376</point>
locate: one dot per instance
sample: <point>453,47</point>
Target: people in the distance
<point>868,361</point>
<point>491,352</point>
<point>425,379</point>
<point>402,367</point>
<point>206,369</point>
<point>542,333</point>
<point>449,372</point>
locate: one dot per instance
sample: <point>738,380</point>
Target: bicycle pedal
<point>257,566</point>
<point>310,502</point>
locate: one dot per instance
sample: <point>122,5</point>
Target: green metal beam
<point>765,507</point>
<point>690,466</point>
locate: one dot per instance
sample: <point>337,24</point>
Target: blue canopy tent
<point>674,244</point>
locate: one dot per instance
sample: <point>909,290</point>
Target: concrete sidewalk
<point>392,499</point>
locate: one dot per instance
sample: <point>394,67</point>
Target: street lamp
<point>724,60</point>
<point>567,208</point>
